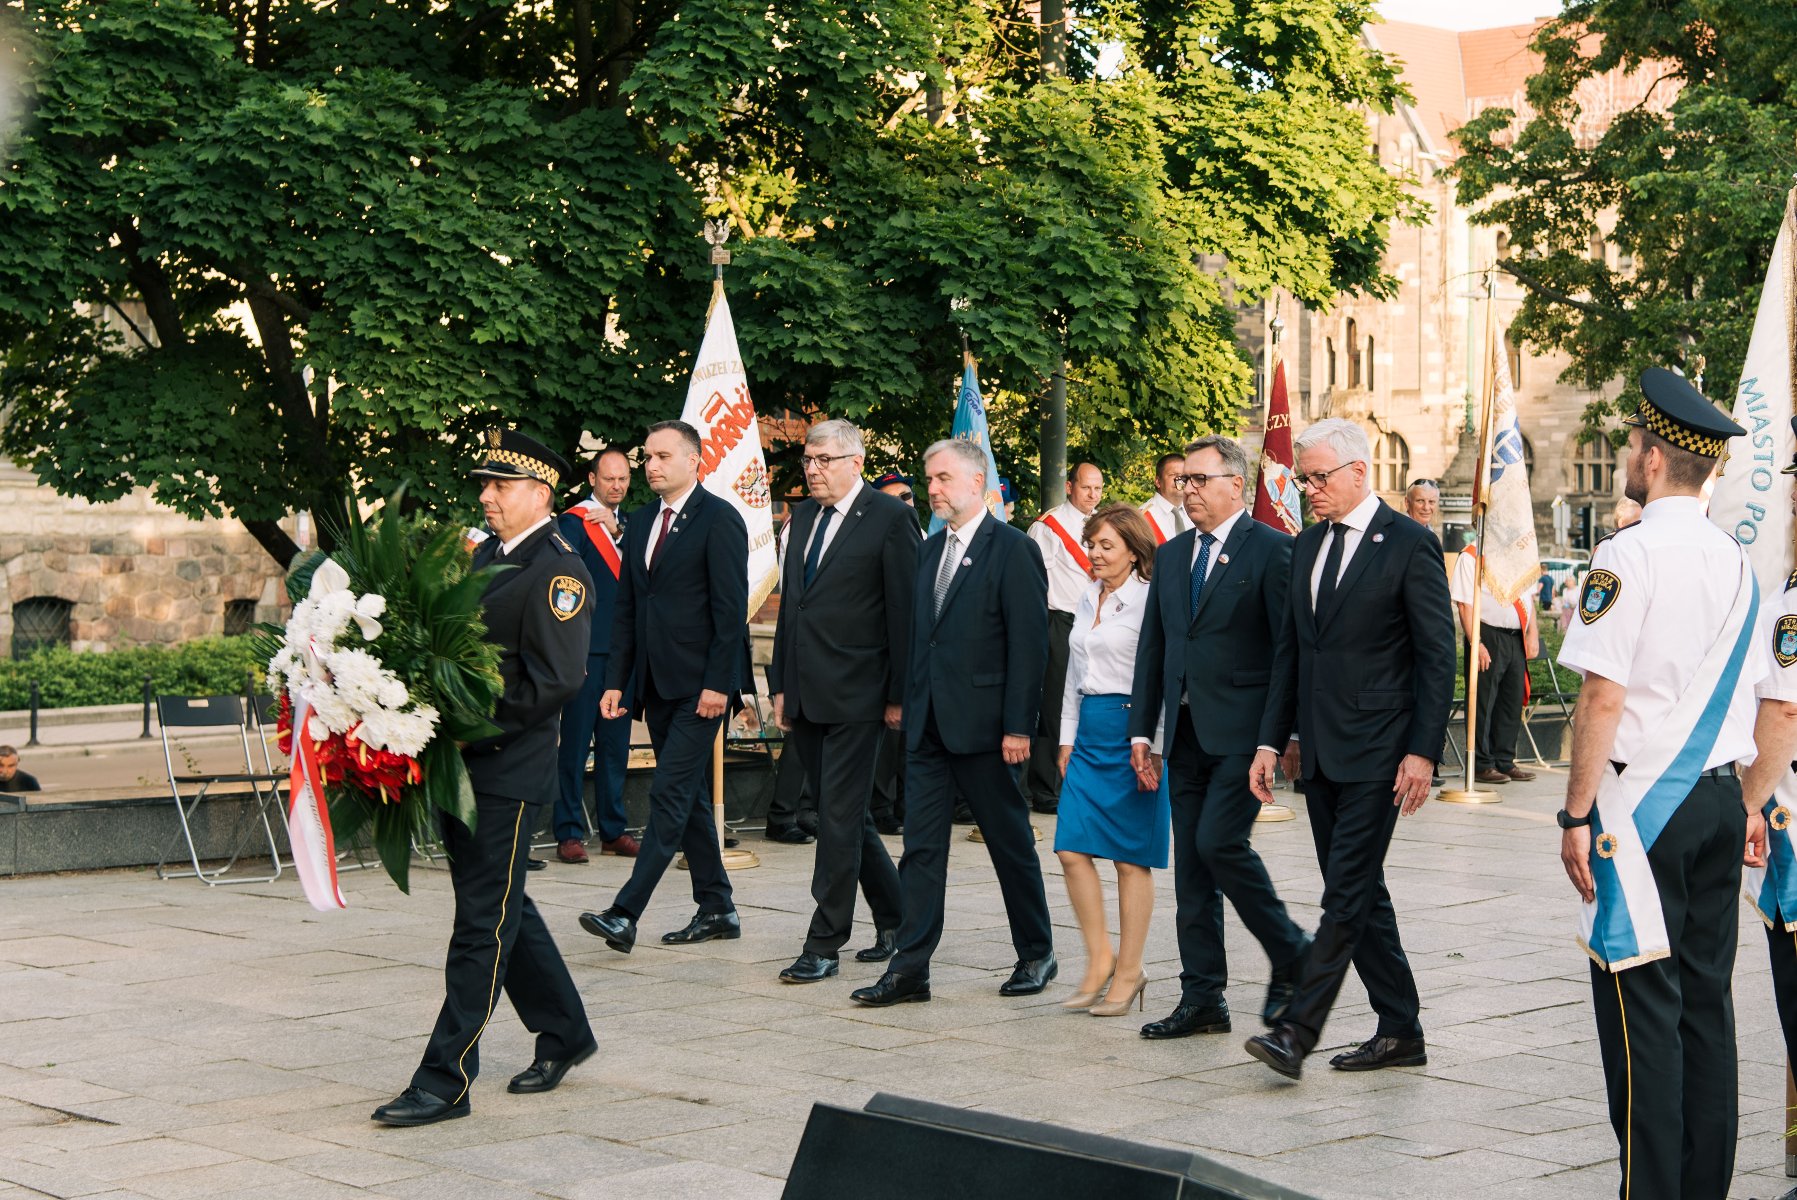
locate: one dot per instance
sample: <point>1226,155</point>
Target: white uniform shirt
<point>1356,521</point>
<point>1675,578</point>
<point>1778,644</point>
<point>1101,658</point>
<point>1067,580</point>
<point>1166,516</point>
<point>1492,611</point>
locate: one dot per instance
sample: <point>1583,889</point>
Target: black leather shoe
<point>1382,1052</point>
<point>963,814</point>
<point>544,1074</point>
<point>1283,985</point>
<point>884,947</point>
<point>1030,976</point>
<point>536,864</point>
<point>1047,808</point>
<point>415,1106</point>
<point>1188,1019</point>
<point>892,988</point>
<point>792,835</point>
<point>810,968</point>
<point>617,928</point>
<point>706,927</point>
<point>1280,1050</point>
<point>889,826</point>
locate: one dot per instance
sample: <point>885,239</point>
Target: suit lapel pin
<point>967,562</point>
<point>1221,559</point>
<point>1378,537</point>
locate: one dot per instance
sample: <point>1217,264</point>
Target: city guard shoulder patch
<point>1601,588</point>
<point>567,595</point>
<point>1784,640</point>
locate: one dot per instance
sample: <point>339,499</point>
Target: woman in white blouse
<point>1104,813</point>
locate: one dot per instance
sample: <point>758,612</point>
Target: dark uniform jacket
<point>1371,679</point>
<point>840,645</point>
<point>684,627</point>
<point>978,666</point>
<point>1220,661</point>
<point>536,615</point>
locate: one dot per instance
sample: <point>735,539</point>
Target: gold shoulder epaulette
<point>1791,581</point>
<point>561,543</point>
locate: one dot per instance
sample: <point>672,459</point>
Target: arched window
<point>1329,358</point>
<point>1369,364</point>
<point>1513,353</point>
<point>1528,454</point>
<point>1353,353</point>
<point>39,623</point>
<point>1594,467</point>
<point>1503,243</point>
<point>1391,462</point>
<point>240,616</point>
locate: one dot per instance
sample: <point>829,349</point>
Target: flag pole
<point>1272,814</point>
<point>1469,794</point>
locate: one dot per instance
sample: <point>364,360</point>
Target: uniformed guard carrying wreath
<point>1654,825</point>
<point>536,614</point>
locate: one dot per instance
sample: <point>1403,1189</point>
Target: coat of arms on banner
<point>1784,640</point>
<point>752,485</point>
<point>1600,593</point>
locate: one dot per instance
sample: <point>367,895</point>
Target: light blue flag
<point>970,423</point>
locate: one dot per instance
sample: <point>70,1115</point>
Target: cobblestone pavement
<point>168,1040</point>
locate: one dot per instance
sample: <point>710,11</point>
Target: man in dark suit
<point>1363,673</point>
<point>1204,659</point>
<point>979,645</point>
<point>595,528</point>
<point>535,614</point>
<point>838,680</point>
<point>677,637</point>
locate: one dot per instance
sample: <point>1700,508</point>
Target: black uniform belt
<point>1725,771</point>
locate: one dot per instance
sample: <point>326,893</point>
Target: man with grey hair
<point>979,643</point>
<point>1215,603</point>
<point>1363,668</point>
<point>837,678</point>
<point>1422,501</point>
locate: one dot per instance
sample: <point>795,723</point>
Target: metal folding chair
<point>176,714</point>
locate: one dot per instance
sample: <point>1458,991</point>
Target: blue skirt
<point>1102,813</point>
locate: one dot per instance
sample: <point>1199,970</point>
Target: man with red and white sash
<point>1165,509</point>
<point>1670,645</point>
<point>1058,533</point>
<point>595,529</point>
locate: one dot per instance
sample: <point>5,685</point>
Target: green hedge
<point>209,666</point>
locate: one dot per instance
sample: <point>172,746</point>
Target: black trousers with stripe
<point>499,943</point>
<point>1666,1029</point>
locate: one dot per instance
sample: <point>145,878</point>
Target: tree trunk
<point>274,539</point>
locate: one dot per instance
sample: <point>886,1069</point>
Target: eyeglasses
<point>822,461</point>
<point>1194,482</point>
<point>907,497</point>
<point>1417,483</point>
<point>1317,480</point>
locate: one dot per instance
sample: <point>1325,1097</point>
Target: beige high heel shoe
<point>1087,999</point>
<point>1118,1008</point>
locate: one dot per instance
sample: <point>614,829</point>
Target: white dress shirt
<point>842,508</point>
<point>1356,521</point>
<point>1676,576</point>
<point>1101,657</point>
<point>507,546</point>
<point>963,538</point>
<point>593,507</point>
<point>1492,611</point>
<point>1067,580</point>
<point>674,505</point>
<point>1168,517</point>
<point>1221,533</point>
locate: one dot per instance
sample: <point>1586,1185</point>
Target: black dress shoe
<point>889,825</point>
<point>1047,808</point>
<point>1382,1052</point>
<point>892,988</point>
<point>792,835</point>
<point>544,1074</point>
<point>884,947</point>
<point>1188,1019</point>
<point>706,927</point>
<point>1283,985</point>
<point>535,864</point>
<point>963,814</point>
<point>1030,976</point>
<point>415,1106</point>
<point>617,928</point>
<point>1280,1050</point>
<point>810,968</point>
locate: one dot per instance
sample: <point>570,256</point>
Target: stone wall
<point>135,572</point>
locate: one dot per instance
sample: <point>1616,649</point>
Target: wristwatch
<point>1568,821</point>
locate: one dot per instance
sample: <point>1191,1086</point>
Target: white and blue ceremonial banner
<point>1749,498</point>
<point>1625,925</point>
<point>970,425</point>
<point>1509,556</point>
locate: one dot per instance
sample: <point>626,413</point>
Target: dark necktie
<point>817,545</point>
<point>1332,567</point>
<point>1205,542</point>
<point>667,518</point>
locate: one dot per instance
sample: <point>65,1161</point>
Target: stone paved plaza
<point>169,1040</point>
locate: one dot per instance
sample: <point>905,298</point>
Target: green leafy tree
<point>264,256</point>
<point>1688,188</point>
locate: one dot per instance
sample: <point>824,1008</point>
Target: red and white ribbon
<point>309,819</point>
